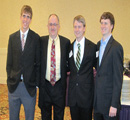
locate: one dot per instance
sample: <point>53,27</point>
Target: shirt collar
<point>54,39</point>
<point>81,42</point>
<point>105,41</point>
<point>24,33</point>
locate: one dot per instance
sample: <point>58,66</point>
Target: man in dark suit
<point>23,66</point>
<point>109,76</point>
<point>54,60</point>
<point>82,59</point>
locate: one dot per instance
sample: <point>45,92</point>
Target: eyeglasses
<point>53,24</point>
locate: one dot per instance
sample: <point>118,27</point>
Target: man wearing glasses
<point>54,61</point>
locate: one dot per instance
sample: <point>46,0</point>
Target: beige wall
<point>66,10</point>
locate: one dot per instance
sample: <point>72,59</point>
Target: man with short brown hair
<point>109,77</point>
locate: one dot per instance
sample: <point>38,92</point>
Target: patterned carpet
<point>4,107</point>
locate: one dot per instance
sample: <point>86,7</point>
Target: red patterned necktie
<point>23,42</point>
<point>53,65</point>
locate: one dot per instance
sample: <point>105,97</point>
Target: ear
<point>84,29</point>
<point>111,27</point>
<point>58,27</point>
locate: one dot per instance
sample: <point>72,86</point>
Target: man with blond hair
<point>23,65</point>
<point>82,59</point>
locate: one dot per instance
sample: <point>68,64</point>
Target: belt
<point>55,83</point>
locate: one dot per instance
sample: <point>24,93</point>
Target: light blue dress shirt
<point>103,44</point>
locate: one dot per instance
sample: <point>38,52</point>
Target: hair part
<point>27,9</point>
<point>108,15</point>
<point>81,19</point>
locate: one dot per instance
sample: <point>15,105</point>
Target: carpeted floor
<point>4,107</point>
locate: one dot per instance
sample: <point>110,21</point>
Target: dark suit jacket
<point>81,83</point>
<point>64,47</point>
<point>109,77</point>
<point>25,62</point>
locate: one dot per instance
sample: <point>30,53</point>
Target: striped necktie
<point>78,57</point>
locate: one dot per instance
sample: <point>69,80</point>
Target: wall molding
<point>3,57</point>
<point>3,80</point>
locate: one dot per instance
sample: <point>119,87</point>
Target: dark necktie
<point>53,65</point>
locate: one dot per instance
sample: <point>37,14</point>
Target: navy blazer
<point>25,62</point>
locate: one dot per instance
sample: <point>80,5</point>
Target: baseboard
<point>3,57</point>
<point>3,80</point>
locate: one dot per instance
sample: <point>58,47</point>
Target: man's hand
<point>112,112</point>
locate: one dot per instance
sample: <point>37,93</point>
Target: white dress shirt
<point>75,49</point>
<point>57,56</point>
<point>25,35</point>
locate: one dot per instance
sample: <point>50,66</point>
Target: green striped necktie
<point>78,57</point>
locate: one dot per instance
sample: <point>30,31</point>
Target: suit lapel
<point>28,40</point>
<point>45,47</point>
<point>61,51</point>
<point>18,41</point>
<point>73,61</point>
<point>98,47</point>
<point>106,50</point>
<point>86,52</point>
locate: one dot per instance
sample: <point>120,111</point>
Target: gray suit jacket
<point>109,77</point>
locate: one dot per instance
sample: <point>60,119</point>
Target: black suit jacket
<point>81,83</point>
<point>109,77</point>
<point>25,62</point>
<point>64,48</point>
